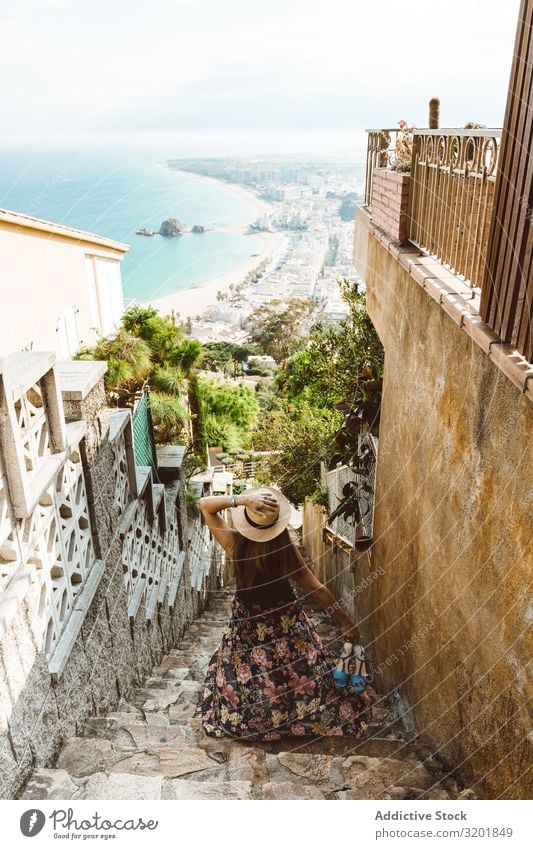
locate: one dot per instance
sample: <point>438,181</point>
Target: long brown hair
<point>259,563</point>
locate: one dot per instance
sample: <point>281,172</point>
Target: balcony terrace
<point>443,221</point>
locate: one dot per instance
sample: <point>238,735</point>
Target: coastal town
<point>305,223</point>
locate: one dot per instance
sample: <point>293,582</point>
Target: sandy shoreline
<point>197,299</point>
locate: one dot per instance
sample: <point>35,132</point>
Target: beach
<point>197,299</point>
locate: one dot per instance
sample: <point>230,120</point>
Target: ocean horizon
<point>113,195</point>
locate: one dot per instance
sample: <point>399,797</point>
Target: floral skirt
<point>272,677</point>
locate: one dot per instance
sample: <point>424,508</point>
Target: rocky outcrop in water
<point>171,227</point>
<point>198,229</point>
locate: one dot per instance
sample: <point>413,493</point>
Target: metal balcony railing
<point>451,197</point>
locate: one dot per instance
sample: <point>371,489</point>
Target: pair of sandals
<point>351,668</point>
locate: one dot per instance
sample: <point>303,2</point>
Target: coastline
<point>245,194</point>
<point>196,300</point>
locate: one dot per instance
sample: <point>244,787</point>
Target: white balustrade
<point>200,553</point>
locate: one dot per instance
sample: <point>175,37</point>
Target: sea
<point>113,194</point>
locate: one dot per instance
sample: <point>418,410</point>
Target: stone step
<point>152,746</point>
<point>227,790</point>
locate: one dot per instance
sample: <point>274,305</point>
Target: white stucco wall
<point>43,275</point>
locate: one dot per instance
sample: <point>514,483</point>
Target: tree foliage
<point>330,369</point>
<point>225,356</point>
<point>278,329</point>
<point>230,413</point>
<point>151,351</point>
<point>324,394</point>
<point>299,437</point>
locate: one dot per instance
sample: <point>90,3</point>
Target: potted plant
<point>390,188</point>
<point>403,149</point>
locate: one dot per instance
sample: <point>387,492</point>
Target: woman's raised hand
<point>263,503</point>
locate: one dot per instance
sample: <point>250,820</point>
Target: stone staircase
<point>153,747</point>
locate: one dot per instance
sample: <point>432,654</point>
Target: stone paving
<point>153,747</point>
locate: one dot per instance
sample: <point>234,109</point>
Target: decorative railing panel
<point>174,559</point>
<point>451,197</point>
<point>9,544</point>
<point>45,531</point>
<point>121,474</point>
<point>57,540</point>
<point>32,427</point>
<point>200,553</point>
<point>366,482</point>
<point>151,557</point>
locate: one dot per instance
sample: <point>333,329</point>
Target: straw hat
<point>254,526</point>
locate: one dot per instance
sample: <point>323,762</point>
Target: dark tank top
<point>274,594</point>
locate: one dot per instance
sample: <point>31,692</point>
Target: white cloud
<point>111,66</point>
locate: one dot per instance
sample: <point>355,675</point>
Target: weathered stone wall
<point>451,612</point>
<point>113,650</point>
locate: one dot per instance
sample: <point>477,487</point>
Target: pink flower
<point>275,694</point>
<point>298,730</point>
<point>402,124</point>
<point>312,655</point>
<point>243,673</point>
<point>229,693</point>
<point>304,685</point>
<point>346,711</point>
<point>282,649</point>
<point>259,656</point>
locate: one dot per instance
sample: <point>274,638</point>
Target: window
<point>105,293</point>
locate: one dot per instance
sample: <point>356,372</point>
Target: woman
<point>271,675</point>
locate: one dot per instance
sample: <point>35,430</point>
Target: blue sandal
<point>341,676</point>
<point>359,677</point>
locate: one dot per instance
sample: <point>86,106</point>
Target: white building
<point>61,288</point>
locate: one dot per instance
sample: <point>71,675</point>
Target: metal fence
<point>367,482</point>
<point>345,528</point>
<point>143,434</point>
<point>451,196</point>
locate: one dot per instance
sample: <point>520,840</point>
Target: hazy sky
<point>123,68</point>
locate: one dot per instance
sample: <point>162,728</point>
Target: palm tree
<point>188,357</point>
<point>152,351</point>
<point>129,362</point>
